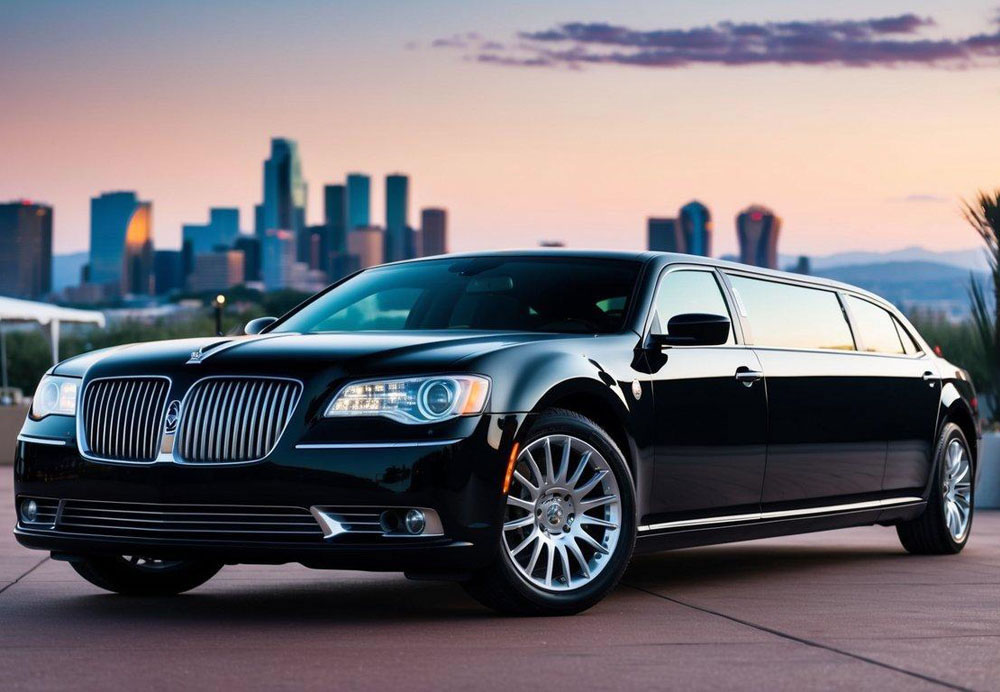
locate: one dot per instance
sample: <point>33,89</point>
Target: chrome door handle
<point>747,377</point>
<point>930,378</point>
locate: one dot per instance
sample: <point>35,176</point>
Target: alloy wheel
<point>957,490</point>
<point>563,515</point>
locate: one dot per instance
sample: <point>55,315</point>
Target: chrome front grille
<point>123,417</point>
<point>234,419</point>
<point>192,521</point>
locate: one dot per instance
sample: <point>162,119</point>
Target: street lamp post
<point>218,303</point>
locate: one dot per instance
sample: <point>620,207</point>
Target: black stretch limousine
<point>520,422</point>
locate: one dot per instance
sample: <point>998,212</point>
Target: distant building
<point>121,243</point>
<point>398,243</point>
<point>696,229</point>
<point>757,230</point>
<point>335,217</point>
<point>664,235</point>
<point>341,265</point>
<point>216,271</point>
<point>306,280</point>
<point>277,257</point>
<point>284,206</point>
<point>551,243</point>
<point>433,232</point>
<point>803,266</point>
<point>318,257</point>
<point>368,245</point>
<point>358,200</point>
<point>168,270</point>
<point>222,229</point>
<point>250,247</point>
<point>25,249</point>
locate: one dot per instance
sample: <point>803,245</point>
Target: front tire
<point>132,575</point>
<point>569,521</point>
<point>945,525</point>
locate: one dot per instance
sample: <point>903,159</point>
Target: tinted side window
<point>689,291</point>
<point>876,327</point>
<point>909,343</point>
<point>792,316</point>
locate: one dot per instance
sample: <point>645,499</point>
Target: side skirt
<point>744,527</point>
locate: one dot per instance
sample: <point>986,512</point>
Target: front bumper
<point>460,480</point>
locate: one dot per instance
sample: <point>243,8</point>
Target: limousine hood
<point>293,354</point>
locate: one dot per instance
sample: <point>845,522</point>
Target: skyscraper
<point>168,268</point>
<point>121,243</point>
<point>222,229</point>
<point>25,249</point>
<point>663,235</point>
<point>398,244</point>
<point>368,245</point>
<point>250,247</point>
<point>358,200</point>
<point>696,229</point>
<point>277,259</point>
<point>757,230</point>
<point>433,232</point>
<point>335,217</point>
<point>284,206</point>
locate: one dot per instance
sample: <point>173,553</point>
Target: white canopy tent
<point>16,310</point>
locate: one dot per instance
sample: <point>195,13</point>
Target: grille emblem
<point>172,417</point>
<point>196,356</point>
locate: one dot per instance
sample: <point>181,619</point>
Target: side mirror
<point>693,329</point>
<point>258,325</point>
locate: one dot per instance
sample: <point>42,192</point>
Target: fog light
<point>29,510</point>
<point>415,521</point>
<point>389,522</point>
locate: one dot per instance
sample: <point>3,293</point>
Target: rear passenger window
<point>689,291</point>
<point>790,316</point>
<point>876,327</point>
<point>909,343</point>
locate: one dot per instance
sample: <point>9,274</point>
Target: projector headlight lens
<point>55,396</point>
<point>413,400</point>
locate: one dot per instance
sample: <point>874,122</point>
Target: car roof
<point>663,259</point>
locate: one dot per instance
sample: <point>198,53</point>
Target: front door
<point>711,411</point>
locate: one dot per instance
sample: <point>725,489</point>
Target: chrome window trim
<point>782,514</point>
<point>81,433</point>
<point>175,457</point>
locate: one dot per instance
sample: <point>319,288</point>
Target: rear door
<point>711,412</point>
<point>826,413</point>
<point>910,394</point>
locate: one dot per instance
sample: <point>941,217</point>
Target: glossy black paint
<point>820,428</point>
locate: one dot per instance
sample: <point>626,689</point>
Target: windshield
<point>536,294</point>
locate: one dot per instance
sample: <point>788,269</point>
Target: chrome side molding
<point>783,514</point>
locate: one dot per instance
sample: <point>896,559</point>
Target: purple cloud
<point>881,41</point>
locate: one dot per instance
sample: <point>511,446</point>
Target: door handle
<point>747,377</point>
<point>930,378</point>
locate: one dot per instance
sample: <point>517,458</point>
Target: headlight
<point>55,396</point>
<point>413,399</point>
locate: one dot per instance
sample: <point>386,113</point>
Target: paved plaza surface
<point>842,610</point>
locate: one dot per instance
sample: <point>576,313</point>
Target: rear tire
<point>137,576</point>
<point>945,525</point>
<point>569,524</point>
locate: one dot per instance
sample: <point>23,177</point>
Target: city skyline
<point>853,157</point>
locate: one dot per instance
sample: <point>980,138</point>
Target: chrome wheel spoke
<point>582,491</point>
<point>550,473</point>
<point>957,490</point>
<point>578,556</point>
<point>525,543</point>
<point>523,504</point>
<point>519,523</point>
<point>532,490</point>
<point>581,467</point>
<point>589,540</point>
<point>587,519</point>
<point>597,502</point>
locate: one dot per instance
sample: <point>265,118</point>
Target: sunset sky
<point>569,120</point>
